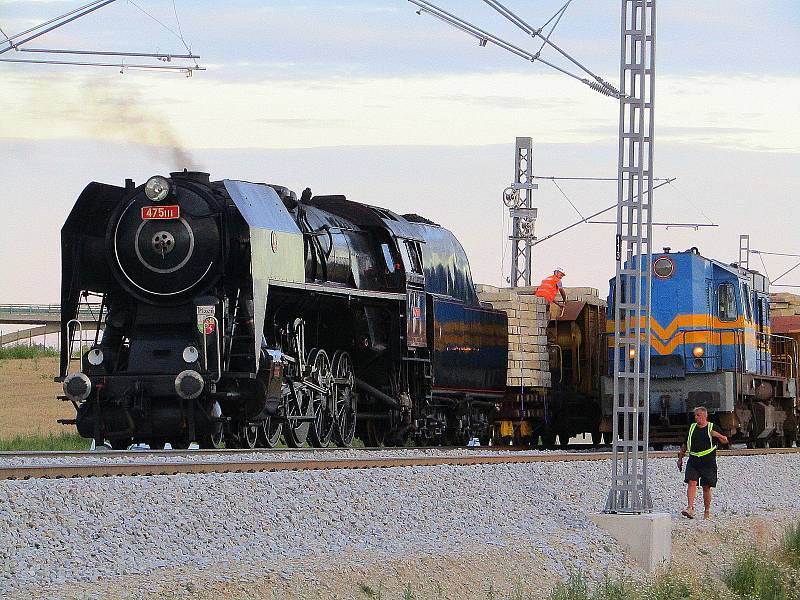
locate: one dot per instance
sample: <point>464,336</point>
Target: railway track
<point>112,469</point>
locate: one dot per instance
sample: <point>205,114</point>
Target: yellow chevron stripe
<point>685,322</point>
<point>664,339</point>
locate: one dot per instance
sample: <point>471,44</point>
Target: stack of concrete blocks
<point>784,305</point>
<point>528,359</point>
<point>584,294</point>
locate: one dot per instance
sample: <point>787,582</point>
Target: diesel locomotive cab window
<point>726,298</point>
<point>746,301</point>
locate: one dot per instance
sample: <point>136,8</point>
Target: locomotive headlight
<point>95,357</point>
<point>632,353</point>
<point>156,188</point>
<point>698,351</point>
<point>190,354</point>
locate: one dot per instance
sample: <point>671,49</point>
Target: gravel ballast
<point>180,457</point>
<point>70,538</point>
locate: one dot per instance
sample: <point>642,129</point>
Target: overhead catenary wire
<point>560,14</point>
<point>588,219</point>
<point>551,177</point>
<point>484,37</point>
<point>782,275</point>
<point>178,23</point>
<point>56,23</point>
<point>571,203</point>
<point>161,55</point>
<point>120,65</point>
<point>53,20</point>
<point>15,43</point>
<point>555,14</point>
<point>774,253</point>
<point>610,90</point>
<point>763,264</point>
<point>689,201</point>
<point>164,25</point>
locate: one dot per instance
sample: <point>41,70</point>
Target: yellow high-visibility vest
<point>692,427</point>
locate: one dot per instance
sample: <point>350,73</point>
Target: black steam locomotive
<point>234,312</point>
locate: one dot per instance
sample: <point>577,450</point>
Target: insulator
<point>603,88</point>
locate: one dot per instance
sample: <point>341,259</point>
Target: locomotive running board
<point>338,290</point>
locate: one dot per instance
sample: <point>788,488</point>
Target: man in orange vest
<point>551,286</point>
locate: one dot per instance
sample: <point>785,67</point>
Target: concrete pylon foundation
<point>648,536</point>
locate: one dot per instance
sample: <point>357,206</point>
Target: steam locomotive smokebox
<point>165,252</point>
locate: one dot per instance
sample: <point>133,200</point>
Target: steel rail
<point>232,451</point>
<point>65,471</point>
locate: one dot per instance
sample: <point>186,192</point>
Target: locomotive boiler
<point>237,313</point>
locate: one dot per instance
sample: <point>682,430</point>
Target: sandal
<point>707,515</point>
<point>688,513</point>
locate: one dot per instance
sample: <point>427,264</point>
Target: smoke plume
<point>119,113</point>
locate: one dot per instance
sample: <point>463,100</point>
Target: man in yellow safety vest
<point>702,464</point>
<point>551,286</point>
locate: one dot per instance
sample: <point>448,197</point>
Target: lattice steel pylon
<point>744,251</point>
<point>522,213</point>
<point>632,294</point>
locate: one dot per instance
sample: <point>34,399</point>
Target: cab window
<point>412,255</point>
<point>387,256</point>
<point>726,302</point>
<point>746,301</point>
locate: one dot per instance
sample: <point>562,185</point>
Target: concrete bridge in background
<point>44,318</point>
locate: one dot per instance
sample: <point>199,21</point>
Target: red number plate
<point>161,212</point>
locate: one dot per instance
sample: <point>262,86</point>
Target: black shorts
<point>703,471</point>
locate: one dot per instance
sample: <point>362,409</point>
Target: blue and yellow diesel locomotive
<point>711,345</point>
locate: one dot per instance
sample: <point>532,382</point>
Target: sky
<point>399,110</point>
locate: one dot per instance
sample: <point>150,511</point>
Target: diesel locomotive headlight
<point>95,357</point>
<point>156,188</point>
<point>632,353</point>
<point>190,354</point>
<point>698,351</point>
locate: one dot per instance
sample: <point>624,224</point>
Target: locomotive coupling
<point>77,387</point>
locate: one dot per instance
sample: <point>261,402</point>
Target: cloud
<point>300,122</point>
<point>415,110</point>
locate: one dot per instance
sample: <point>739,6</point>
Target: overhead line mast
<point>633,249</point>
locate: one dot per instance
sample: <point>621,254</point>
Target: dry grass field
<point>28,403</point>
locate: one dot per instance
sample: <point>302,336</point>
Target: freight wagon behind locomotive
<point>235,312</point>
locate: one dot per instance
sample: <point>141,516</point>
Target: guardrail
<point>46,309</point>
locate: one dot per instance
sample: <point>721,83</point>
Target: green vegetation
<point>63,441</point>
<point>790,545</point>
<point>755,575</point>
<point>20,351</point>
